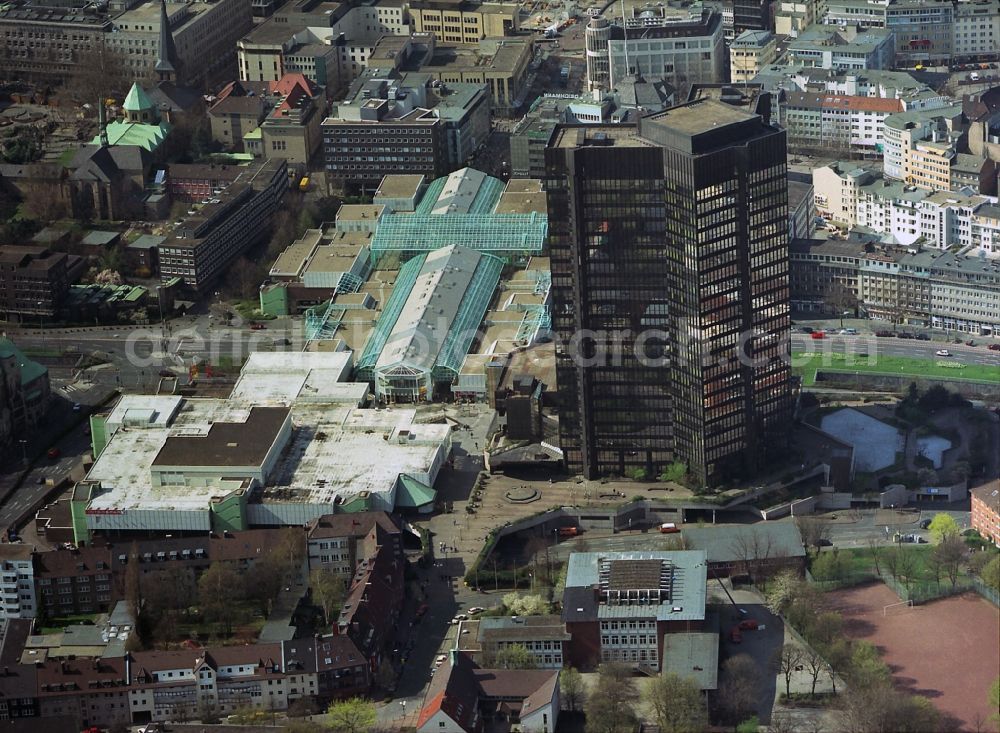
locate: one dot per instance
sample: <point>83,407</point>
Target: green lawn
<point>55,625</point>
<point>805,365</point>
<point>859,562</point>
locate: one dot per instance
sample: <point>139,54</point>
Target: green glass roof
<point>30,370</point>
<point>413,494</point>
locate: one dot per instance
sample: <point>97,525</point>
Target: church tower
<point>166,59</point>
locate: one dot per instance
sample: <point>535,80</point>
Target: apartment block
<point>338,541</point>
<point>976,30</point>
<point>791,17</point>
<point>922,29</point>
<point>25,395</point>
<point>17,582</point>
<point>204,36</point>
<point>986,511</point>
<point>409,123</point>
<point>836,123</point>
<point>842,49</point>
<point>958,293</point>
<point>464,21</point>
<point>683,43</point>
<point>201,247</point>
<point>34,281</point>
<point>45,44</point>
<point>751,51</point>
<point>902,131</point>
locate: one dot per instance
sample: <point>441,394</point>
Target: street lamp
<point>843,313</point>
<point>24,452</point>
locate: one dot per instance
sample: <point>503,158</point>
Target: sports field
<point>946,651</point>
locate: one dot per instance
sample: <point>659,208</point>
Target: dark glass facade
<point>670,260</point>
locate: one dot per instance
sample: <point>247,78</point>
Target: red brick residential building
<point>986,510</point>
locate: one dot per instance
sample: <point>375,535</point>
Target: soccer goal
<point>885,609</point>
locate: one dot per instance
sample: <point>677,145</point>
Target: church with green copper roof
<point>142,125</point>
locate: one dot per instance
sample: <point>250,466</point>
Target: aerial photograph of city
<point>499,366</point>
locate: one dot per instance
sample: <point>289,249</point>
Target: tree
<point>611,704</point>
<point>867,668</point>
<point>949,555</point>
<point>302,707</point>
<point>207,713</point>
<point>572,690</point>
<point>785,661</point>
<point>738,690</point>
<point>876,550</point>
<point>991,573</point>
<point>677,704</point>
<point>813,530</point>
<point>133,582</point>
<point>674,472</point>
<point>386,677</point>
<point>328,590</point>
<point>245,276</point>
<point>829,566</point>
<point>890,558</point>
<point>941,525</point>
<point>265,579</point>
<point>356,715</point>
<point>515,656</point>
<point>219,588</point>
<point>524,605</point>
<point>303,726</point>
<point>906,566</point>
<point>995,700</point>
<point>839,298</point>
<point>815,665</point>
<point>754,549</point>
<point>99,73</point>
<point>838,659</point>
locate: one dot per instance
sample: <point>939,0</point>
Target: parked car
<point>476,609</point>
<point>806,329</point>
<point>824,542</point>
<point>942,352</point>
<point>970,342</point>
<point>669,528</point>
<point>77,407</point>
<point>848,332</point>
<point>748,624</point>
<point>905,335</point>
<point>817,335</point>
<point>923,337</point>
<point>994,347</point>
<point>422,610</point>
<point>925,523</point>
<point>53,453</point>
<point>735,635</point>
<point>257,326</point>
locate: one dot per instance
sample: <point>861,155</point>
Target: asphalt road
<point>873,346</point>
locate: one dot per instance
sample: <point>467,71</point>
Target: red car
<point>748,624</point>
<point>817,335</point>
<point>994,347</point>
<point>735,635</point>
<point>422,610</point>
<point>257,326</point>
<point>53,453</point>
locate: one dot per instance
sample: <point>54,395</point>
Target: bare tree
<point>738,690</point>
<point>949,554</point>
<point>813,530</point>
<point>753,548</point>
<point>328,590</point>
<point>839,298</point>
<point>100,73</point>
<point>785,661</point>
<point>906,566</point>
<point>876,550</point>
<point>816,665</point>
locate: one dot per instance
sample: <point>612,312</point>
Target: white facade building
<point>17,582</point>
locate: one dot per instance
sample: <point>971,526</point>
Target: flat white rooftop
<point>284,378</point>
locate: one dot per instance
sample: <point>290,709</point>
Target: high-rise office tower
<point>669,255</point>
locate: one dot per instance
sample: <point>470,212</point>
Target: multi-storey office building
<point>684,43</point>
<point>17,582</point>
<point>670,290</point>
<point>843,49</point>
<point>201,247</point>
<point>462,21</point>
<point>912,285</point>
<point>45,44</point>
